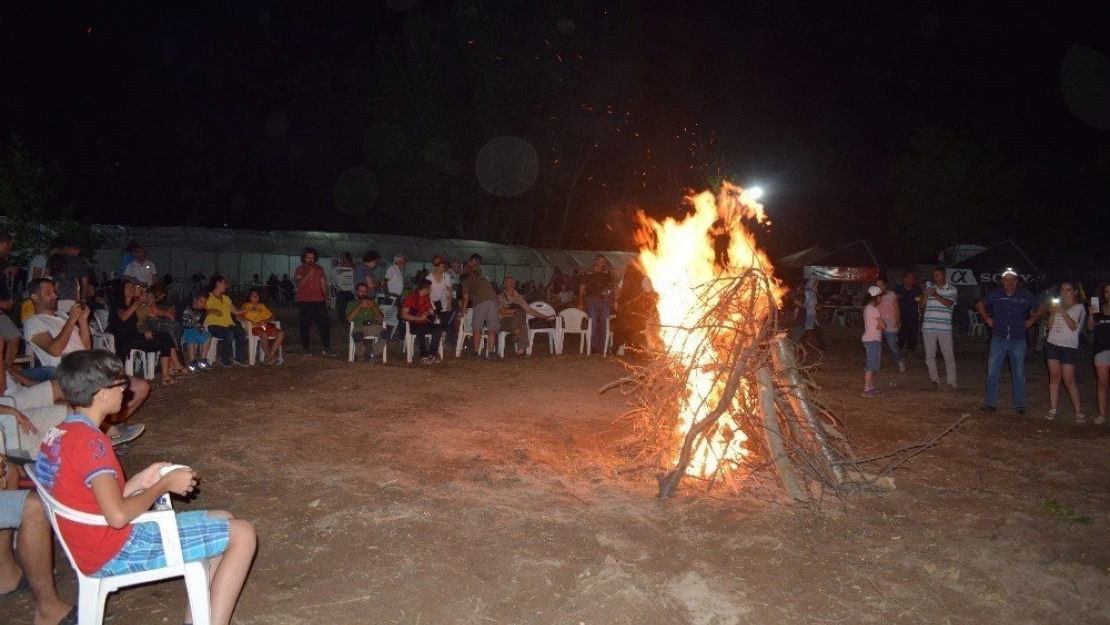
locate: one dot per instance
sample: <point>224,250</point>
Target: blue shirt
<point>1010,312</point>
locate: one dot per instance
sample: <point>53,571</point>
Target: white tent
<point>238,254</point>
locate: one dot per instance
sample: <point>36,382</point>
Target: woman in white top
<point>1065,318</point>
<point>443,289</point>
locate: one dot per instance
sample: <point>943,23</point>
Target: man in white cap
<point>1006,311</point>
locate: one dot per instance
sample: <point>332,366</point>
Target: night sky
<point>253,114</point>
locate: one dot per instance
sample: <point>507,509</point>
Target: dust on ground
<point>478,492</point>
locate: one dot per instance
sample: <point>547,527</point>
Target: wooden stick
<point>775,448</point>
<point>787,369</point>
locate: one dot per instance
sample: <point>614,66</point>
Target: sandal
<point>170,381</point>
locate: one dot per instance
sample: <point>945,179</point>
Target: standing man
<point>593,297</point>
<point>813,334</point>
<point>142,269</point>
<point>395,277</point>
<point>909,308</point>
<point>78,269</point>
<point>1006,313</point>
<point>477,289</point>
<point>364,273</point>
<point>312,307</point>
<point>892,320</point>
<point>936,328</point>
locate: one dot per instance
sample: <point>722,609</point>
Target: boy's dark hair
<point>307,251</point>
<point>424,284</point>
<point>476,256</point>
<point>34,287</point>
<point>82,374</point>
<point>370,257</point>
<point>256,290</point>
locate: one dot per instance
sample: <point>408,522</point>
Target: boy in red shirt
<point>77,465</point>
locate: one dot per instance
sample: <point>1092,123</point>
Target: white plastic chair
<point>374,346</point>
<point>93,591</point>
<point>466,329</point>
<point>544,309</point>
<point>390,318</point>
<point>146,361</point>
<point>410,343</point>
<point>570,321</point>
<point>254,344</point>
<point>975,327</point>
<point>608,337</point>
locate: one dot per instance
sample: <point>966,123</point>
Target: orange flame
<point>686,269</point>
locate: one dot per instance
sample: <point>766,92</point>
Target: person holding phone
<point>1098,322</point>
<point>1065,318</point>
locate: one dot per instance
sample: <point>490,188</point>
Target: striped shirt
<point>938,317</point>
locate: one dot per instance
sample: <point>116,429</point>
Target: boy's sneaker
<point>1080,419</point>
<point>327,352</point>
<point>902,366</point>
<point>127,433</point>
<point>278,360</point>
<point>1099,420</point>
<point>870,392</point>
<point>370,358</point>
<point>204,364</point>
<point>1051,414</point>
<point>427,360</point>
<point>193,366</point>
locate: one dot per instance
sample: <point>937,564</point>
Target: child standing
<point>193,335</point>
<point>263,326</point>
<point>873,327</point>
<point>78,467</point>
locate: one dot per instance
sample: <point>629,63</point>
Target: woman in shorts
<point>872,338</point>
<point>1098,321</point>
<point>1065,318</point>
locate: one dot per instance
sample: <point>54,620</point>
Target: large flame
<point>686,270</point>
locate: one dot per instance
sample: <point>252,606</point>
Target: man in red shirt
<point>312,290</point>
<point>421,315</point>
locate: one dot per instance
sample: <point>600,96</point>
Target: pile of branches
<point>793,440</point>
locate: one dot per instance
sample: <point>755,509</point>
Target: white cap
<point>873,291</point>
<point>1009,272</point>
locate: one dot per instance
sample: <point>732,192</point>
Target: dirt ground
<point>484,492</point>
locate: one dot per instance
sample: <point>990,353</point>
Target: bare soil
<point>485,492</point>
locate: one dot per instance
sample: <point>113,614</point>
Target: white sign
<point>960,277</point>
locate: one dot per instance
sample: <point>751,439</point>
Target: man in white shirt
<point>936,328</point>
<point>53,335</point>
<point>142,269</point>
<point>395,276</point>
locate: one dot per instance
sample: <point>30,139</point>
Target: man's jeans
<point>1014,349</point>
<point>944,340</point>
<point>891,338</point>
<point>598,310</point>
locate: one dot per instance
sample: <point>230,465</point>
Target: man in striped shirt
<point>936,328</point>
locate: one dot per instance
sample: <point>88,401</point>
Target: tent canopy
<point>239,254</point>
<point>856,254</point>
<point>987,266</point>
<point>801,259</point>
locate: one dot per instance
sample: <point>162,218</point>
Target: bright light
<point>755,192</point>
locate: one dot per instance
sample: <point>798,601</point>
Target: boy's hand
<point>181,481</point>
<point>148,477</point>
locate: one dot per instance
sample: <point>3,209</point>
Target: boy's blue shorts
<point>192,336</point>
<point>202,537</point>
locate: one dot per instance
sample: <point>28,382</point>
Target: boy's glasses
<point>117,384</point>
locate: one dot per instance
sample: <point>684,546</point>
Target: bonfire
<point>722,397</point>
